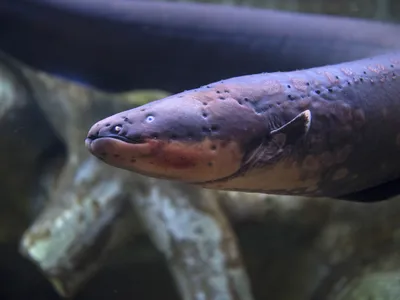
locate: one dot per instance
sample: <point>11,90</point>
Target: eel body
<point>328,129</point>
<point>325,131</point>
<point>127,44</point>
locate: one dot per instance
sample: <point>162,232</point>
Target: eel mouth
<point>137,139</point>
<point>96,143</point>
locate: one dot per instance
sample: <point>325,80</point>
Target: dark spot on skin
<point>337,77</point>
<point>288,86</point>
<point>392,66</point>
<point>365,72</point>
<point>222,98</point>
<point>208,86</point>
<point>127,120</point>
<point>143,109</point>
<point>204,103</point>
<point>103,154</point>
<point>210,164</point>
<point>214,127</point>
<point>204,115</point>
<point>348,82</point>
<point>318,92</point>
<point>205,130</point>
<point>213,147</point>
<point>133,160</point>
<point>226,91</point>
<point>218,92</point>
<point>308,83</point>
<point>116,155</point>
<point>240,102</point>
<point>246,99</point>
<point>330,90</point>
<point>290,97</point>
<point>361,79</point>
<point>108,124</point>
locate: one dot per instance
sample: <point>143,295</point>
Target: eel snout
<point>172,138</point>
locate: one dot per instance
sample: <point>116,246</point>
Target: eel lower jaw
<point>192,162</point>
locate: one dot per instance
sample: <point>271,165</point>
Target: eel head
<point>191,137</point>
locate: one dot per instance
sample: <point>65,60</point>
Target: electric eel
<point>323,121</point>
<point>314,132</point>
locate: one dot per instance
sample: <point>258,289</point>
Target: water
<point>71,225</point>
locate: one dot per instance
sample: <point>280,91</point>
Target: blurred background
<point>291,248</point>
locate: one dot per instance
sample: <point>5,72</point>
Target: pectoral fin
<point>279,141</point>
<point>295,128</point>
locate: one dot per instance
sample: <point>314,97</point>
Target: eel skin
<point>322,131</point>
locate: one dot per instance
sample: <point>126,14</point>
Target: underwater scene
<point>200,150</point>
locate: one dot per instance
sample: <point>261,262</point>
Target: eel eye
<point>117,129</point>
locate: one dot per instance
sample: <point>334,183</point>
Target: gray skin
<point>315,132</point>
<point>254,40</point>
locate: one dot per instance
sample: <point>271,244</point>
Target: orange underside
<point>186,161</point>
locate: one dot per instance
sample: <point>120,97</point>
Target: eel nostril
<point>93,134</point>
